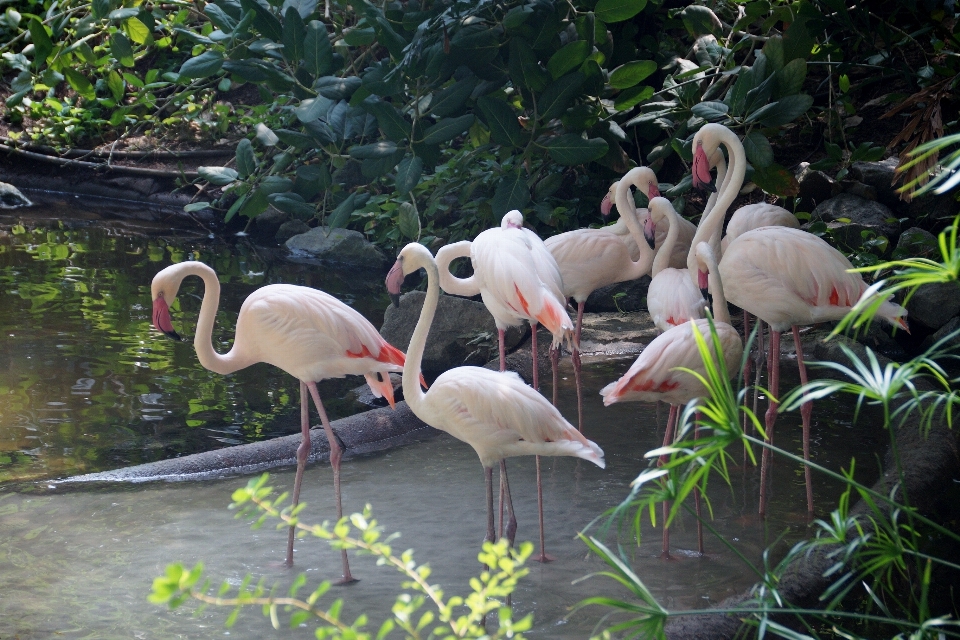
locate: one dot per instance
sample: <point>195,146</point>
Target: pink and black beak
<point>653,191</point>
<point>702,179</point>
<point>650,232</point>
<point>703,283</point>
<point>161,318</point>
<point>394,281</point>
<point>606,206</point>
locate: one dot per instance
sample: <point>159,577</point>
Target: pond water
<point>86,385</point>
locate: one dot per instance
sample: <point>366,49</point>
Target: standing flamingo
<point>647,181</point>
<point>785,277</point>
<point>309,334</point>
<point>655,374</point>
<point>592,258</point>
<point>518,279</point>
<point>672,298</point>
<point>494,412</point>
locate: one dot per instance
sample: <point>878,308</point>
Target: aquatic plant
<point>449,618</point>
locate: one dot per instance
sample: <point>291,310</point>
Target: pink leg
<point>696,495</point>
<point>773,366</point>
<point>302,452</point>
<point>536,355</point>
<point>806,411</point>
<point>335,455</point>
<point>746,377</point>
<point>503,367</point>
<point>511,531</point>
<point>543,555</point>
<point>667,441</point>
<point>575,357</point>
<point>491,529</point>
<point>554,362</point>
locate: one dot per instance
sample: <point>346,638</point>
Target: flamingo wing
<point>673,300</point>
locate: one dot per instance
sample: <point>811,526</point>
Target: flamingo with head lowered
<point>309,334</point>
<point>785,277</point>
<point>494,412</point>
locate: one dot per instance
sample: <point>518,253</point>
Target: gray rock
<point>880,176</point>
<point>863,215</point>
<point>930,207</point>
<point>816,186</point>
<point>364,395</point>
<point>291,229</point>
<point>865,191</point>
<point>609,299</point>
<point>463,331</point>
<point>952,344</point>
<point>933,305</point>
<point>268,223</point>
<point>917,243</point>
<point>341,246</point>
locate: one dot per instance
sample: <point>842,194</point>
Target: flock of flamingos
<point>764,264</point>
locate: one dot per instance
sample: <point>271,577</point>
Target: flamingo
<point>647,181</point>
<point>672,298</point>
<point>518,279</point>
<point>592,258</point>
<point>785,277</point>
<point>655,375</point>
<point>309,334</point>
<point>494,412</point>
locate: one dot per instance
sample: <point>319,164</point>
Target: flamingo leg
<point>748,426</point>
<point>501,337</point>
<point>511,531</point>
<point>554,362</point>
<point>806,411</point>
<point>696,494</point>
<point>336,453</point>
<point>667,441</point>
<point>535,353</point>
<point>302,452</point>
<point>575,357</point>
<point>491,529</point>
<point>746,377</point>
<point>773,366</point>
<point>543,556</point>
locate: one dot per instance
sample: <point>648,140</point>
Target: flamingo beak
<point>653,191</point>
<point>161,318</point>
<point>902,323</point>
<point>650,231</point>
<point>394,281</point>
<point>606,206</point>
<point>702,179</point>
<point>703,284</point>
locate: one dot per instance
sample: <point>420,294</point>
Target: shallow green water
<point>86,384</point>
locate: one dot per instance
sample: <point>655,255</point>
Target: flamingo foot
<point>544,557</point>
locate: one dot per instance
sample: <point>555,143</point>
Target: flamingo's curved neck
<point>450,283</point>
<point>662,261</point>
<point>628,213</point>
<point>720,311</point>
<point>412,392</point>
<point>711,223</point>
<point>720,163</point>
<point>203,340</point>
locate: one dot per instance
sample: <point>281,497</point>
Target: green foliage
<point>454,616</point>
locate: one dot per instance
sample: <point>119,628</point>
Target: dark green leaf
<point>711,111</point>
<point>571,149</point>
<point>255,205</point>
<point>80,83</point>
<point>392,123</point>
<point>372,168</point>
<point>389,38</point>
<point>408,221</point>
<point>525,70</point>
<point>276,184</point>
<point>85,52</point>
<point>632,73</point>
<point>785,110</point>
<point>318,52</point>
<point>116,85</point>
<point>379,80</point>
<point>205,65</point>
<point>304,7</point>
<point>121,49</point>
<point>100,9</point>
<point>293,36</point>
<point>776,180</point>
<point>295,139</point>
<point>265,136</point>
<point>569,57</point>
<point>220,18</point>
<point>312,108</point>
<point>501,120</point>
<point>512,193</point>
<point>447,129</point>
<point>123,13</point>
<point>359,37</point>
<point>773,50</point>
<point>293,204</point>
<point>790,78</point>
<point>408,174</point>
<point>42,44</point>
<point>631,97</point>
<point>246,159</point>
<point>340,216</point>
<point>450,100</point>
<point>758,150</point>
<point>700,20</point>
<point>557,97</point>
<point>516,17</point>
<point>337,88</point>
<point>618,10</point>
<point>217,175</point>
<point>264,21</point>
<point>375,150</point>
